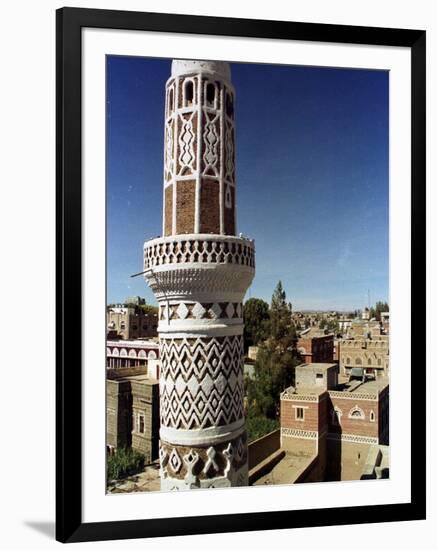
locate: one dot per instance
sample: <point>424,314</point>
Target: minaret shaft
<point>199,272</point>
<point>199,173</point>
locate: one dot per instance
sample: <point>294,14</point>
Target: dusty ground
<point>286,470</point>
<point>138,483</point>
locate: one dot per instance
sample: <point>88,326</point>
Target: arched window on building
<point>170,101</point>
<point>229,105</point>
<point>356,413</point>
<point>372,416</point>
<point>358,361</point>
<point>336,416</point>
<point>369,361</point>
<point>210,94</point>
<point>188,93</point>
<point>348,360</point>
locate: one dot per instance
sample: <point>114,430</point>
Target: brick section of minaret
<point>168,210</point>
<point>185,206</point>
<point>210,206</point>
<point>229,221</point>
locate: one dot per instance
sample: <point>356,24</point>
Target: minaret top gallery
<point>199,272</point>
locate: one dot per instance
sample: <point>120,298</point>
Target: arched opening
<point>170,101</point>
<point>188,93</point>
<point>229,106</point>
<point>210,94</point>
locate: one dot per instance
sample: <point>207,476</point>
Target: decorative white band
<point>351,438</point>
<point>205,436</point>
<point>299,434</point>
<point>198,331</point>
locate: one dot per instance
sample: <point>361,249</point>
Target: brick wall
<point>355,425</point>
<point>229,215</point>
<point>118,417</point>
<point>311,415</point>
<point>209,206</point>
<point>168,210</point>
<point>263,447</point>
<point>185,206</point>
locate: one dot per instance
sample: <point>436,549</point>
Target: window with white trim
<point>300,413</point>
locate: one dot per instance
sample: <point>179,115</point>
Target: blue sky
<point>312,178</point>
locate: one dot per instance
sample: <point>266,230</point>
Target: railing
<point>180,249</point>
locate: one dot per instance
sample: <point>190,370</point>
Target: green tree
<point>256,321</point>
<point>273,372</point>
<point>275,362</point>
<point>282,329</point>
<point>149,309</point>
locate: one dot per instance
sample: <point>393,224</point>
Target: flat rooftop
<point>143,378</point>
<point>288,469</point>
<point>357,386</point>
<point>371,387</point>
<point>319,366</point>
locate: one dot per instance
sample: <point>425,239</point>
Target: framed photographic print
<point>241,256</point>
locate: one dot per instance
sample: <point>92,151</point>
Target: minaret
<point>199,272</point>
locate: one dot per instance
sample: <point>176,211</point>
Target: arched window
<point>188,93</point>
<point>229,106</point>
<point>379,362</point>
<point>369,361</point>
<point>358,361</point>
<point>210,94</point>
<point>348,360</point>
<point>336,416</point>
<point>356,413</point>
<point>372,416</point>
<point>170,103</point>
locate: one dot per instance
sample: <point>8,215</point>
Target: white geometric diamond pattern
<point>203,382</point>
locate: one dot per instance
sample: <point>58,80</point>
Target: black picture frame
<point>69,24</point>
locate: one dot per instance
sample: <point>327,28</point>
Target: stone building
<point>314,346</point>
<point>132,414</point>
<point>123,354</point>
<point>129,322</point>
<point>338,421</point>
<point>366,346</point>
<point>199,272</point>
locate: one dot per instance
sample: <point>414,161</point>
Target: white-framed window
<point>299,413</point>
<point>372,416</point>
<point>357,413</point>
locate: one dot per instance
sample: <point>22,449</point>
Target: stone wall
<point>264,446</point>
<point>118,415</point>
<point>145,404</point>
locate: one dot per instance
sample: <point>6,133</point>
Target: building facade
<point>199,272</point>
<point>365,345</point>
<point>132,415</point>
<point>129,322</point>
<point>123,354</point>
<point>339,422</point>
<point>315,346</point>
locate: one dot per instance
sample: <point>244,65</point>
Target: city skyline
<point>312,178</point>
